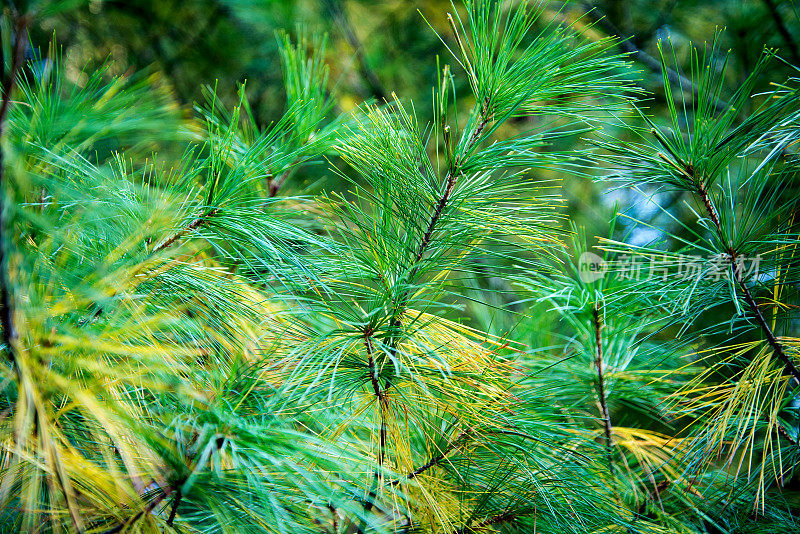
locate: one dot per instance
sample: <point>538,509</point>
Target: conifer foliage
<point>197,340</point>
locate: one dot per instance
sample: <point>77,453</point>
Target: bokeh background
<point>380,47</point>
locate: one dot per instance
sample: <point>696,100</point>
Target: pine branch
<point>433,462</point>
<point>175,503</point>
<point>395,322</point>
<point>381,398</point>
<point>437,214</point>
<point>450,184</point>
<point>597,323</point>
<point>165,492</point>
<point>701,191</point>
<point>276,183</point>
<point>196,223</point>
<point>373,371</point>
<point>489,521</point>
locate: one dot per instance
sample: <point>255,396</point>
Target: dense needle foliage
<point>433,346</point>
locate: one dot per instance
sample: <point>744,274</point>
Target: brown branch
<point>782,431</point>
<point>196,223</point>
<point>175,503</point>
<point>789,366</point>
<point>395,322</point>
<point>450,184</point>
<point>489,521</point>
<point>433,462</point>
<point>597,322</point>
<point>381,398</point>
<point>335,517</point>
<point>373,371</point>
<point>438,210</point>
<point>437,214</point>
<point>276,183</point>
<point>688,170</point>
<point>165,492</point>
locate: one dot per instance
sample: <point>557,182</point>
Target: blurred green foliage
<point>380,47</point>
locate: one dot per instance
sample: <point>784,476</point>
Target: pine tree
<point>197,340</point>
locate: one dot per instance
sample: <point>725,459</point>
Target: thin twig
<point>450,184</point>
<point>165,492</point>
<point>489,521</point>
<point>335,518</point>
<point>175,503</point>
<point>700,189</point>
<point>381,398</point>
<point>276,183</point>
<point>433,462</point>
<point>782,431</point>
<point>597,323</point>
<point>196,223</point>
<point>777,348</point>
